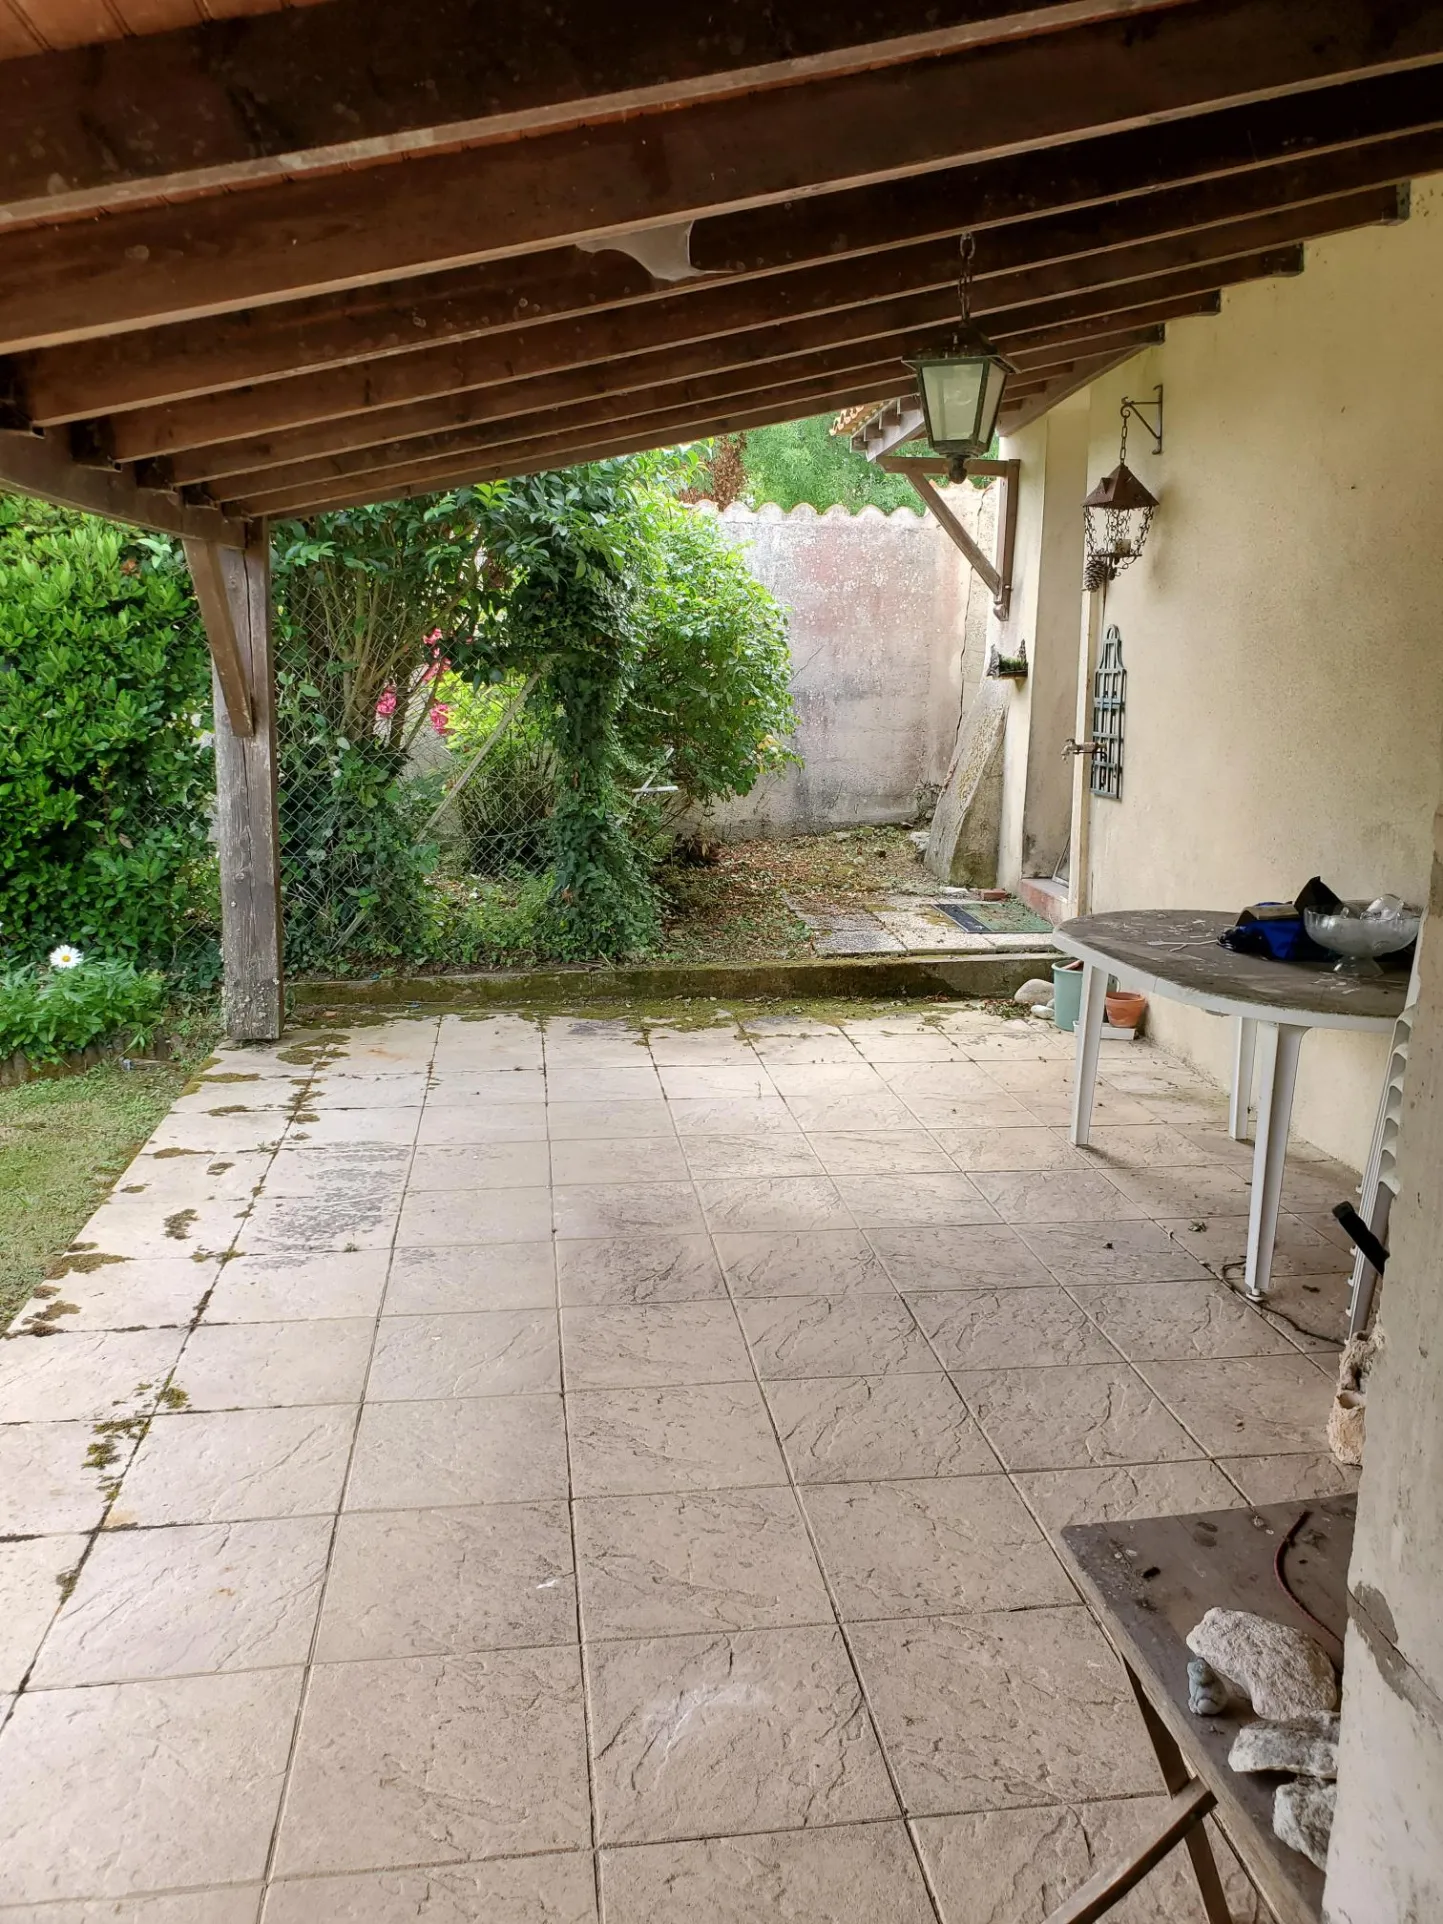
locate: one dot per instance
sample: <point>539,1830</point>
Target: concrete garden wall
<point>887,633</point>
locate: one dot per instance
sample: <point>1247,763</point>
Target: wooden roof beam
<point>565,450</point>
<point>42,465</point>
<point>730,326</point>
<point>278,242</point>
<point>1282,142</point>
<point>224,105</point>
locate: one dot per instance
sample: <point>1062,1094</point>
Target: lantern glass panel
<point>952,392</point>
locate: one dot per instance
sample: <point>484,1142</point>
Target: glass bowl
<point>1359,932</point>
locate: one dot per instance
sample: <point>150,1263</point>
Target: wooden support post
<point>234,590</point>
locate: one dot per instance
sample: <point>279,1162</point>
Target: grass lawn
<point>62,1144</point>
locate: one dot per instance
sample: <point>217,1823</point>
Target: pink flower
<point>440,716</point>
<point>387,704</point>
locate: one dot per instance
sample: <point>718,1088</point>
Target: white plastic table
<point>1174,954</point>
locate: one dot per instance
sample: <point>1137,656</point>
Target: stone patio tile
<point>988,1113</point>
<point>46,1486</point>
<point>710,1735</point>
<point>763,1156</point>
<point>1020,1148</point>
<point>702,1437</point>
<point>421,1583</point>
<point>1151,1146</point>
<point>181,1602</point>
<point>1110,1252</point>
<point>732,1116</point>
<point>959,1256</point>
<point>890,1202</point>
<point>1017,1866</point>
<point>1055,1196</point>
<point>1022,1077</point>
<point>939,1081</point>
<point>679,1048</point>
<point>836,1876</point>
<point>852,1429</point>
<point>595,1271</point>
<point>810,1080</point>
<point>607,1121</point>
<point>1072,1418</point>
<point>238,1905</point>
<point>496,1449</point>
<point>924,1045</point>
<point>479,1276</point>
<point>656,1344</point>
<point>490,1353</point>
<point>354,1220</point>
<point>638,1082</point>
<point>549,1889</point>
<point>826,1045</point>
<point>483,1165</point>
<point>433,1217</point>
<point>147,1226</point>
<point>248,1366</point>
<point>623,1160</point>
<point>833,1114</point>
<point>510,1038</point>
<point>1252,1405</point>
<point>1008,1328</point>
<point>243,1091</point>
<point>1002,1709</point>
<point>1221,1241</point>
<point>817,1262</point>
<point>913,1549</point>
<point>463,1123</point>
<point>229,1466</point>
<point>700,1560</point>
<point>337,1090</point>
<point>215,1136</point>
<point>877,1152</point>
<point>148,1292</point>
<point>1184,1192</point>
<point>422,1759</point>
<point>612,1208</point>
<point>731,1082</point>
<point>184,1175</point>
<point>1179,1320</point>
<point>1310,1312</point>
<point>453,1088</point>
<point>292,1285</point>
<point>1119,1495</point>
<point>759,1203</point>
<point>395,1127</point>
<point>1108,1106</point>
<point>834,1336</point>
<point>30,1577</point>
<point>78,1374</point>
<point>399,1044</point>
<point>1279,1479</point>
<point>593,1039</point>
<point>179,1783</point>
<point>354,1168</point>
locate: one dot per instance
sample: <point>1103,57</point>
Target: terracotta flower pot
<point>1125,1007</point>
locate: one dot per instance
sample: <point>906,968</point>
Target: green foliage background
<point>106,774</point>
<point>804,461</point>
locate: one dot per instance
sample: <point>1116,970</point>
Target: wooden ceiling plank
<point>299,238</point>
<point>673,405</point>
<point>567,450</point>
<point>1105,341</point>
<point>41,465</point>
<point>1214,153</point>
<point>1036,405</point>
<point>221,106</point>
<point>729,317</point>
<point>595,382</point>
<point>1149,314</point>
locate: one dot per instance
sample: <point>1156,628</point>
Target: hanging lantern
<point>962,383</point>
<point>1118,513</point>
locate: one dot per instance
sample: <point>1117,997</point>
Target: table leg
<point>1281,1042</point>
<point>1245,1038</point>
<point>1176,1776</point>
<point>1089,1042</point>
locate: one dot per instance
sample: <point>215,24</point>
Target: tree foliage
<point>105,767</point>
<point>800,461</point>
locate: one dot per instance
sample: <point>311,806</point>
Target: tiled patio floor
<point>624,1466</point>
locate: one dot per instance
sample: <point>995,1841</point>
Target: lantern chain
<point>968,248</point>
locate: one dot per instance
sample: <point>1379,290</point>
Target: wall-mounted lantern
<point>1119,511</point>
<point>962,383</point>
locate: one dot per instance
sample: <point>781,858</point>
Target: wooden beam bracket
<point>997,576</point>
<point>208,575</point>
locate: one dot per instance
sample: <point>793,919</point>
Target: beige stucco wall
<point>1282,630</point>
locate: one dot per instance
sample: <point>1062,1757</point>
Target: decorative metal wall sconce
<point>1139,412</point>
<point>1118,513</point>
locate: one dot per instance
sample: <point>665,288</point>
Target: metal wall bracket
<point>1139,411</point>
<point>996,575</point>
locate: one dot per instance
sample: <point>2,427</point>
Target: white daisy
<point>65,957</point>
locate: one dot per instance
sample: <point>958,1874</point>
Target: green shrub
<point>105,769</point>
<point>47,1013</point>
